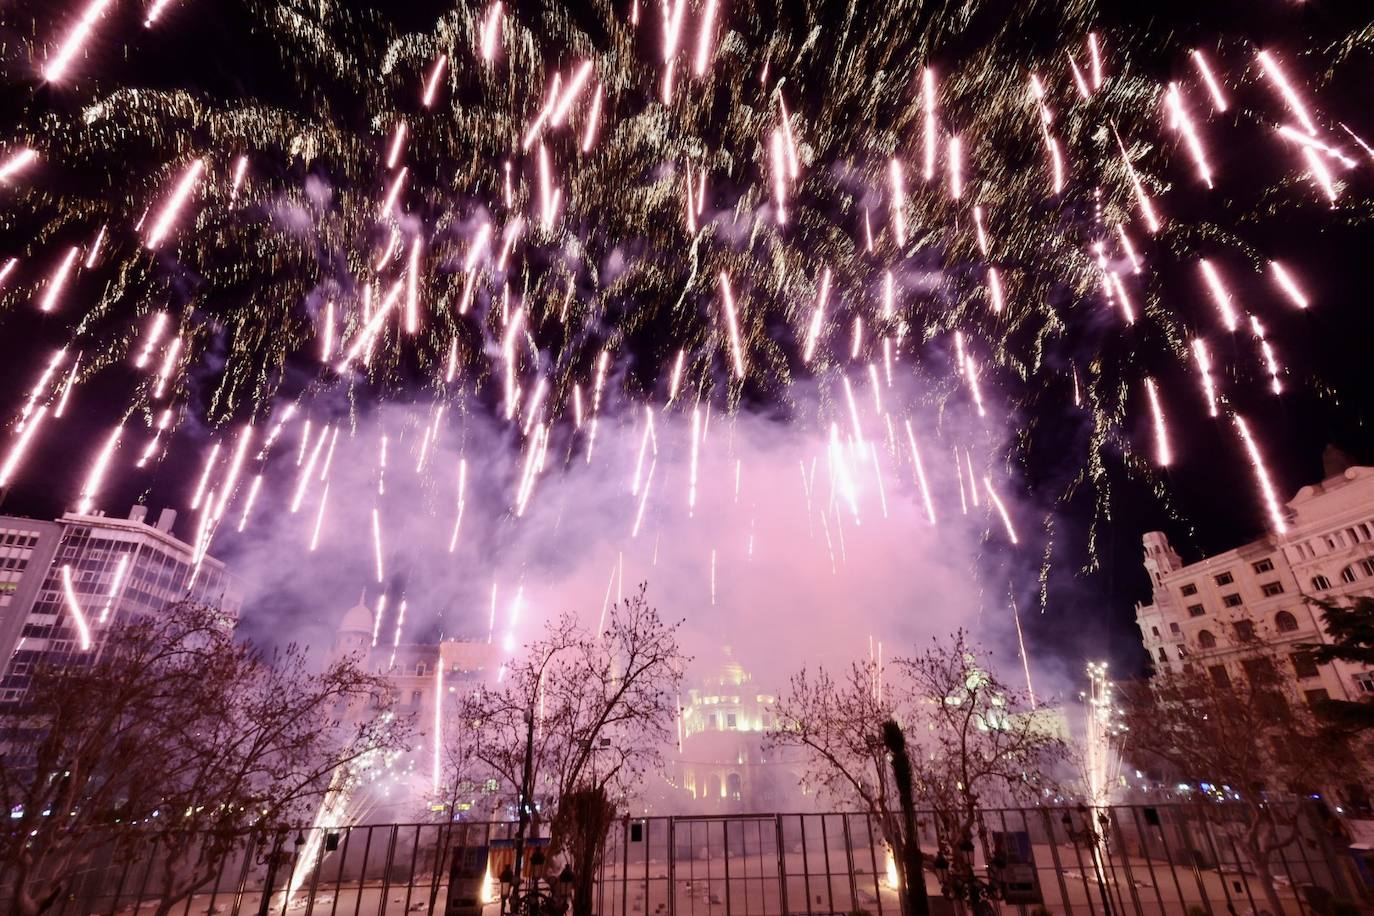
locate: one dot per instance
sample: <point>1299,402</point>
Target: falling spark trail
<point>1271,499</point>
<point>205,476</point>
<point>1290,96</point>
<point>898,183</point>
<point>58,281</point>
<point>1163,453</point>
<point>83,629</point>
<point>1183,123</point>
<point>252,498</point>
<point>732,325</point>
<point>930,136</point>
<point>97,474</point>
<point>1210,80</point>
<point>16,163</point>
<point>813,333</point>
<point>1220,295</point>
<point>432,84</point>
<point>21,444</point>
<point>1147,208</point>
<point>377,543</point>
<point>1289,286</point>
<point>1001,509</point>
<point>462,492</point>
<point>1204,365</point>
<point>57,65</point>
<point>920,473</point>
<point>184,186</point>
<point>319,519</point>
<point>438,720</point>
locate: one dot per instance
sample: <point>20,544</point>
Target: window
<point>1315,695</point>
<point>1270,589</point>
<point>1367,566</point>
<point>730,721</point>
<point>1189,589</point>
<point>1154,631</point>
<point>1182,652</point>
<point>419,669</point>
<point>1285,622</point>
<point>1175,629</point>
<point>1320,583</point>
<point>1365,682</point>
<point>1196,610</point>
<point>1348,574</point>
<point>1232,600</point>
<point>1225,579</point>
<point>1263,566</point>
<point>1163,655</point>
<point>1206,640</point>
<point>1258,669</point>
<point>1304,666</point>
<point>1245,630</point>
<point>415,698</point>
<point>1219,676</point>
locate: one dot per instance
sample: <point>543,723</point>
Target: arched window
<point>1348,574</point>
<point>1285,622</point>
<point>1320,583</point>
<point>1206,640</point>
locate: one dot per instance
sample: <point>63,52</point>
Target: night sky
<point>215,49</point>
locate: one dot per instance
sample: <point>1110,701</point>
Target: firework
<point>16,162</point>
<point>57,281</point>
<point>56,67</point>
<point>180,193</point>
<point>83,629</point>
<point>1289,286</point>
<point>1266,486</point>
<point>1163,453</point>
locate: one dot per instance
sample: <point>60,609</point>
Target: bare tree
<point>271,744</point>
<point>80,760</point>
<point>576,721</point>
<point>967,738</point>
<point>978,743</point>
<point>175,745</point>
<point>1242,729</point>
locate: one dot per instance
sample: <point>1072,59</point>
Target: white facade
<point>1206,612</point>
<point>119,568</point>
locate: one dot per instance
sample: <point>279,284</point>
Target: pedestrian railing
<point>1143,860</point>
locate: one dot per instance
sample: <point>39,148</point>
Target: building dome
<point>358,619</point>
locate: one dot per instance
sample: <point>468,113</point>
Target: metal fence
<point>1142,860</point>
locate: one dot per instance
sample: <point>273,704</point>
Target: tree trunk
<point>1259,861</point>
<point>911,871</point>
<point>579,830</point>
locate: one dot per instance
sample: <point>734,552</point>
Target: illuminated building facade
<point>723,764</point>
<point>111,569</point>
<point>1209,612</point>
<point>420,675</point>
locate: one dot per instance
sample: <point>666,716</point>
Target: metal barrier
<point>1125,861</point>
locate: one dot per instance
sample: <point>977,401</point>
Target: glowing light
<point>1289,286</point>
<point>813,333</point>
<point>1220,295</point>
<point>732,325</point>
<point>184,186</point>
<point>97,474</point>
<point>83,629</point>
<point>1271,499</point>
<point>1163,453</point>
<point>1213,85</point>
<point>436,73</point>
<point>57,281</point>
<point>57,65</point>
<point>15,163</point>
<point>1001,509</point>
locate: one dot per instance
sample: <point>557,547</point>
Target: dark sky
<point>209,45</point>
